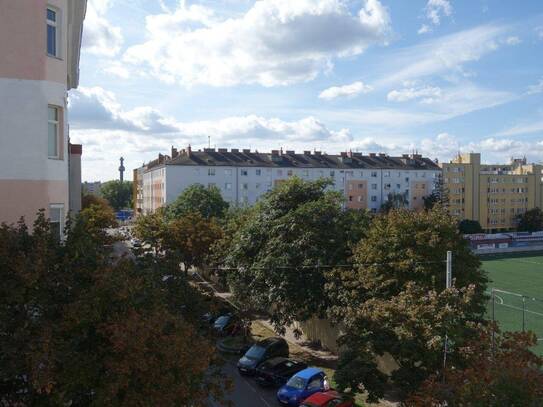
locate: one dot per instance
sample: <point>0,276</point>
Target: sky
<point>433,76</point>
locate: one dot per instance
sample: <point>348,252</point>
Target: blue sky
<point>437,76</point>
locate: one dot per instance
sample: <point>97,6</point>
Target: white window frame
<point>57,24</point>
<point>57,123</point>
<point>60,207</point>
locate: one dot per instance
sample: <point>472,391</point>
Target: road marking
<point>256,391</point>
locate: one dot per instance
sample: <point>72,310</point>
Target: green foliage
<point>394,300</point>
<point>197,198</point>
<point>118,194</point>
<point>530,221</point>
<point>395,201</point>
<point>439,196</point>
<point>468,227</point>
<point>150,229</point>
<point>277,248</point>
<point>78,330</point>
<point>496,370</point>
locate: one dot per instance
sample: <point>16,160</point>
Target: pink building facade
<point>40,63</point>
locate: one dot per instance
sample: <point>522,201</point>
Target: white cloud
<point>513,40</point>
<point>539,32</point>
<point>441,55</point>
<point>99,36</point>
<point>349,91</point>
<point>522,129</point>
<point>424,29</point>
<point>435,9</point>
<point>276,42</point>
<point>428,93</point>
<point>537,88</point>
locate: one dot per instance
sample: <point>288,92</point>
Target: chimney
<point>246,150</point>
<point>372,154</point>
<point>234,150</point>
<point>189,150</point>
<point>306,152</point>
<point>223,150</point>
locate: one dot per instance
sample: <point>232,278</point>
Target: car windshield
<point>222,320</point>
<point>296,382</point>
<point>255,352</point>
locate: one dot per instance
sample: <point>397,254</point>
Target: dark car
<point>263,350</point>
<point>224,324</point>
<point>277,371</point>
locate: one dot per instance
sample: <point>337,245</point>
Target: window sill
<point>56,158</point>
<point>55,57</point>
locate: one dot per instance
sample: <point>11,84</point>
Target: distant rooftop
<point>288,158</point>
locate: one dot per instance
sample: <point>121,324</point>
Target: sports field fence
<point>517,312</point>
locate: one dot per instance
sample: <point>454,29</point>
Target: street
<point>246,393</point>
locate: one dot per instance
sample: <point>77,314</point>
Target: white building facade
<point>243,176</point>
<point>40,63</point>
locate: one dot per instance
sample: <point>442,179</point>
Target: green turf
<point>521,274</point>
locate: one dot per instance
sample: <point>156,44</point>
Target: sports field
<point>518,298</point>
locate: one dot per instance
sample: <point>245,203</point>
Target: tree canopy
<point>469,227</point>
<point>498,369</point>
<point>394,299</point>
<point>80,330</point>
<point>276,251</point>
<point>530,221</point>
<point>117,193</point>
<point>197,198</point>
<point>439,195</point>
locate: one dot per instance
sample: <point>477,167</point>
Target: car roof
<point>323,397</point>
<point>270,341</point>
<point>308,373</point>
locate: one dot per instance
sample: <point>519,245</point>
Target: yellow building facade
<point>492,194</point>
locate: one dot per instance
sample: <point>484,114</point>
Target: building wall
<point>29,82</point>
<point>75,177</point>
<point>245,185</point>
<point>493,195</point>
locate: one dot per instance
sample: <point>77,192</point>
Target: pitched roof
<point>246,158</point>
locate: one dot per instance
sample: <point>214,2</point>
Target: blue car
<point>300,386</point>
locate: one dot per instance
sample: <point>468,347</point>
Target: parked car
<point>330,398</point>
<point>261,351</point>
<point>277,371</point>
<point>302,385</point>
<point>224,324</point>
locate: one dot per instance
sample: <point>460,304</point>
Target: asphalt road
<point>246,392</point>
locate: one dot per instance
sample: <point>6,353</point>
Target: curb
<point>229,349</point>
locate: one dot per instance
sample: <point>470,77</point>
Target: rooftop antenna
<point>209,141</point>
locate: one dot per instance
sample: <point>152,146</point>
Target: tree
<point>190,238</point>
<point>501,371</point>
<point>90,199</point>
<point>394,300</point>
<point>530,221</point>
<point>150,229</point>
<point>395,201</point>
<point>440,194</point>
<point>197,198</point>
<point>277,250</point>
<point>118,194</point>
<point>78,330</point>
<point>468,227</point>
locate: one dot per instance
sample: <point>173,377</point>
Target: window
<point>257,186</point>
<point>228,186</point>
<point>53,131</point>
<point>373,186</point>
<point>280,173</point>
<point>211,172</point>
<point>52,32</point>
<point>332,173</point>
<point>56,213</point>
<point>258,172</point>
<point>374,174</point>
<point>228,172</point>
<point>289,173</point>
<point>374,198</point>
<point>211,185</point>
<point>386,174</point>
<point>360,186</point>
<point>245,186</point>
<point>244,173</point>
<point>305,173</point>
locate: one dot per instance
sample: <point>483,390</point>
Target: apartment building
<point>243,176</point>
<point>492,194</point>
<point>40,47</point>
